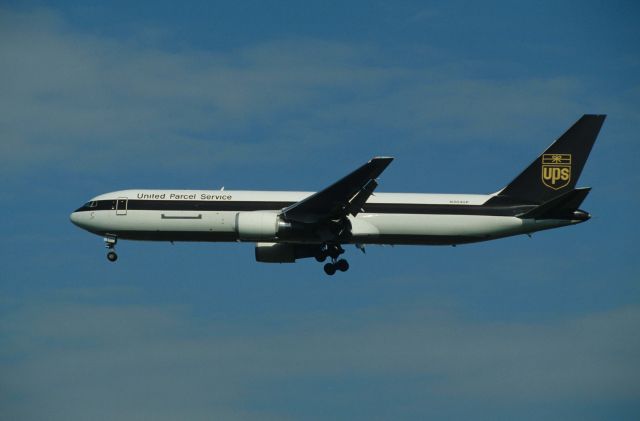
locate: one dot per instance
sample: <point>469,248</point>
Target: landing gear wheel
<point>342,265</point>
<point>112,256</point>
<point>321,257</point>
<point>329,269</point>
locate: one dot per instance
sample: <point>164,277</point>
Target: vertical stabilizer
<point>557,170</point>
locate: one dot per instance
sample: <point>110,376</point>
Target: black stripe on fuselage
<point>204,236</point>
<point>247,206</point>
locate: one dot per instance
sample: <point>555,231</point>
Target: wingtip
<point>382,158</point>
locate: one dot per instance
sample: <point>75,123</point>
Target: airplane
<point>289,225</point>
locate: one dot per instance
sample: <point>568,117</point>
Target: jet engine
<point>275,253</point>
<point>268,225</point>
<point>257,225</point>
<point>285,252</point>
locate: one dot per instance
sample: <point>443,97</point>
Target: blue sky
<point>98,97</point>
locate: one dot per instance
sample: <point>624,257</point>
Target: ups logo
<point>556,170</point>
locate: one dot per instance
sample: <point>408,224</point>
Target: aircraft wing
<point>345,196</point>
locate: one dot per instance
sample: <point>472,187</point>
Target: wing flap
<point>359,199</point>
<point>345,196</point>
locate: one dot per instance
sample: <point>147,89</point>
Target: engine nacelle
<point>275,253</point>
<point>257,225</point>
<point>285,252</point>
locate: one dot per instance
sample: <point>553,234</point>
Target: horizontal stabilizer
<point>561,207</point>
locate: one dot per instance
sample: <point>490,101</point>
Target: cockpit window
<point>91,204</point>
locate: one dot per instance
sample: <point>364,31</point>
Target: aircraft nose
<point>75,218</point>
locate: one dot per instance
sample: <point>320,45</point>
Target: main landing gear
<point>333,251</point>
<point>110,243</point>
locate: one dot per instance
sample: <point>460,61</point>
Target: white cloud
<point>69,97</point>
<point>162,363</point>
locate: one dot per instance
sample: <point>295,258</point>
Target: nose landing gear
<point>110,243</point>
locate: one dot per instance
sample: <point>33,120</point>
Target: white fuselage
<point>388,218</point>
<point>287,226</point>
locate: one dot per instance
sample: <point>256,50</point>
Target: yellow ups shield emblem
<point>556,170</point>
